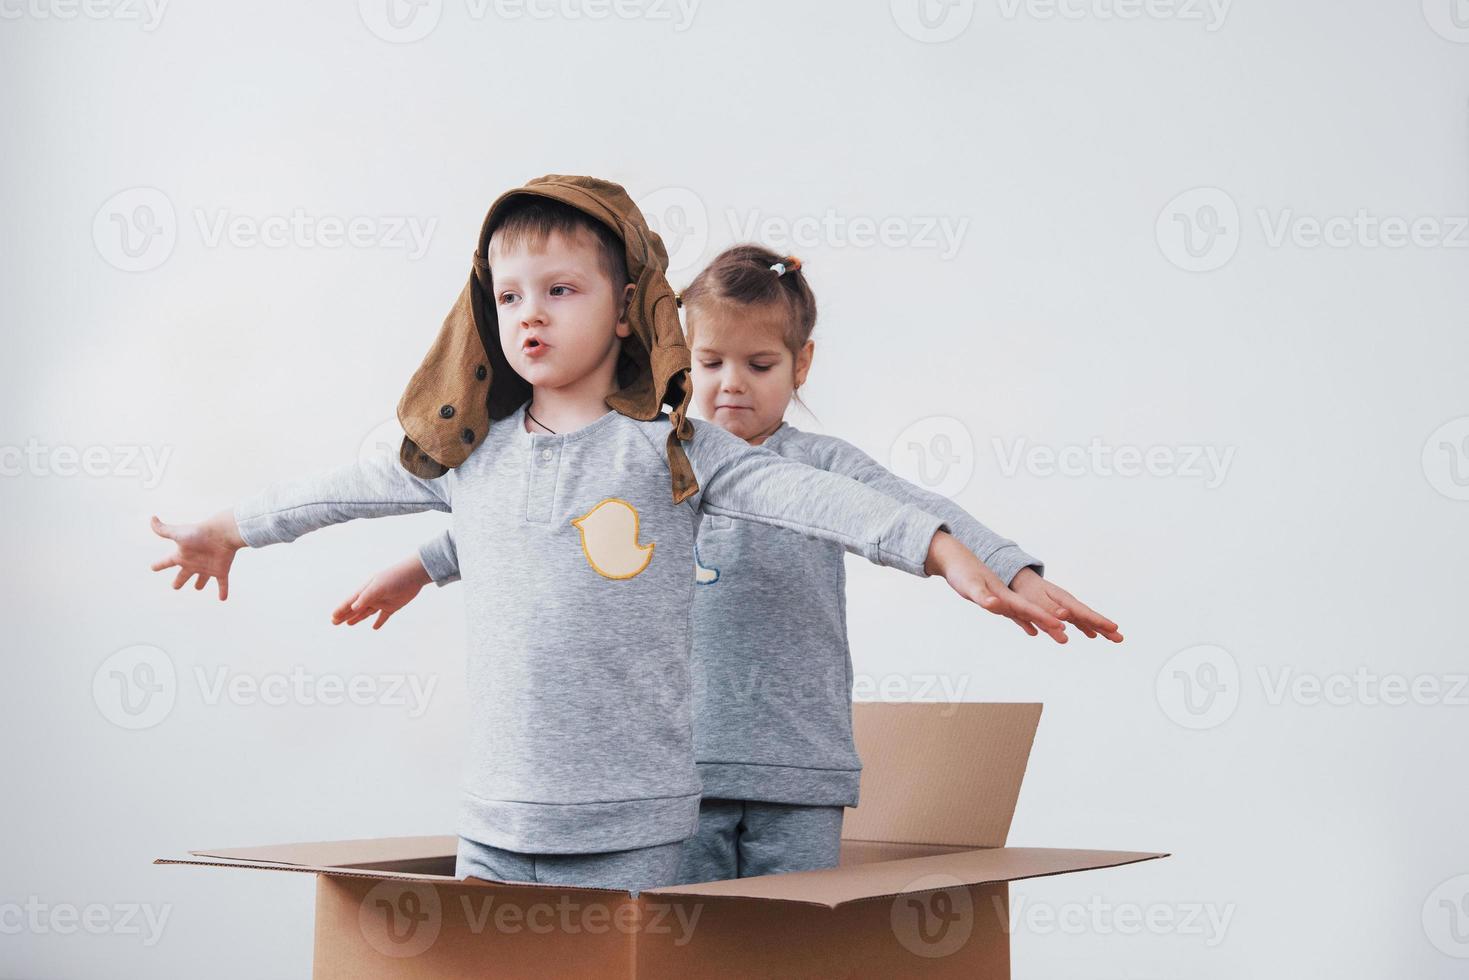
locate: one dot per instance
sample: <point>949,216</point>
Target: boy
<point>535,421</point>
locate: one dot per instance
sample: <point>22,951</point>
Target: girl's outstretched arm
<point>1023,574</point>
<point>753,483</point>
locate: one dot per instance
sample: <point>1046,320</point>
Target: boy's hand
<point>206,549</point>
<point>385,593</point>
<point>1064,605</point>
<point>972,579</point>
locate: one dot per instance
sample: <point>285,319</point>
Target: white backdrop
<point>1173,293</point>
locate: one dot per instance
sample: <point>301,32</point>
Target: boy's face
<point>743,374</point>
<point>560,317</point>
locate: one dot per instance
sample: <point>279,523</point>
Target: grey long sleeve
<point>440,558</point>
<point>375,486</point>
<point>1003,556</point>
<point>753,483</point>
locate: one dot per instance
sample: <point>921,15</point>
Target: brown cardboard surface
<point>940,773</point>
<point>381,853</point>
<point>838,886</point>
<point>417,931</point>
<point>392,930</point>
<point>855,852</point>
<point>959,933</point>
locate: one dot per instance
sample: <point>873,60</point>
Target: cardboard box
<point>922,888</point>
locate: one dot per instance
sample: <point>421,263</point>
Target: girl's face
<point>743,373</point>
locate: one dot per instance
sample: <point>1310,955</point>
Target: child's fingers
<point>224,587</point>
<point>200,582</point>
<point>358,615</point>
<point>161,529</point>
<point>382,617</point>
<point>163,563</point>
<point>1029,629</point>
<point>1093,623</point>
<point>1001,601</point>
<point>1084,615</point>
<point>182,577</point>
<point>1020,606</point>
<point>347,607</point>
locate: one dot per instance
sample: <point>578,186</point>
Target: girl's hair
<point>752,275</point>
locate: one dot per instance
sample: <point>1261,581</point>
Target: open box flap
<point>939,773</point>
<point>368,855</point>
<point>426,859</point>
<point>839,886</point>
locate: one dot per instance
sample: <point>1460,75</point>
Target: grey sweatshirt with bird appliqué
<point>579,618</point>
<point>772,669</point>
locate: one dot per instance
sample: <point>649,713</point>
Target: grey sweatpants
<point>746,838</point>
<point>633,870</point>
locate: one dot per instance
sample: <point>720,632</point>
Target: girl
<point>772,674</point>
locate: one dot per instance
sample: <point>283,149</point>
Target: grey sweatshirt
<point>772,672</point>
<point>581,734</point>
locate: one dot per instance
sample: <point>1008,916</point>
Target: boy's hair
<point>742,275</point>
<point>528,221</point>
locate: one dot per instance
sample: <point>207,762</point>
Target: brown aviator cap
<point>465,382</point>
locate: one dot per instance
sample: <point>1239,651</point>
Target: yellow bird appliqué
<point>609,539</point>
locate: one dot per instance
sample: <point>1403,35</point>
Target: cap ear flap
<point>418,462</point>
<point>444,411</point>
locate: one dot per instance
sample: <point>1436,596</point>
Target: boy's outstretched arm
<point>1022,573</point>
<point>376,486</point>
<point>753,483</point>
<point>394,587</point>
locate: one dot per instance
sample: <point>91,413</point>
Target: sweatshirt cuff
<point>252,518</point>
<point>1009,560</point>
<point>440,561</point>
<point>906,543</point>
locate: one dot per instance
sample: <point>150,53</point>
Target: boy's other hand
<point>206,549</point>
<point>1050,596</point>
<point>385,593</point>
<point>974,580</point>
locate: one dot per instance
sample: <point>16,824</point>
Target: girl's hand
<point>972,579</point>
<point>385,593</point>
<point>206,549</point>
<point>1064,605</point>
